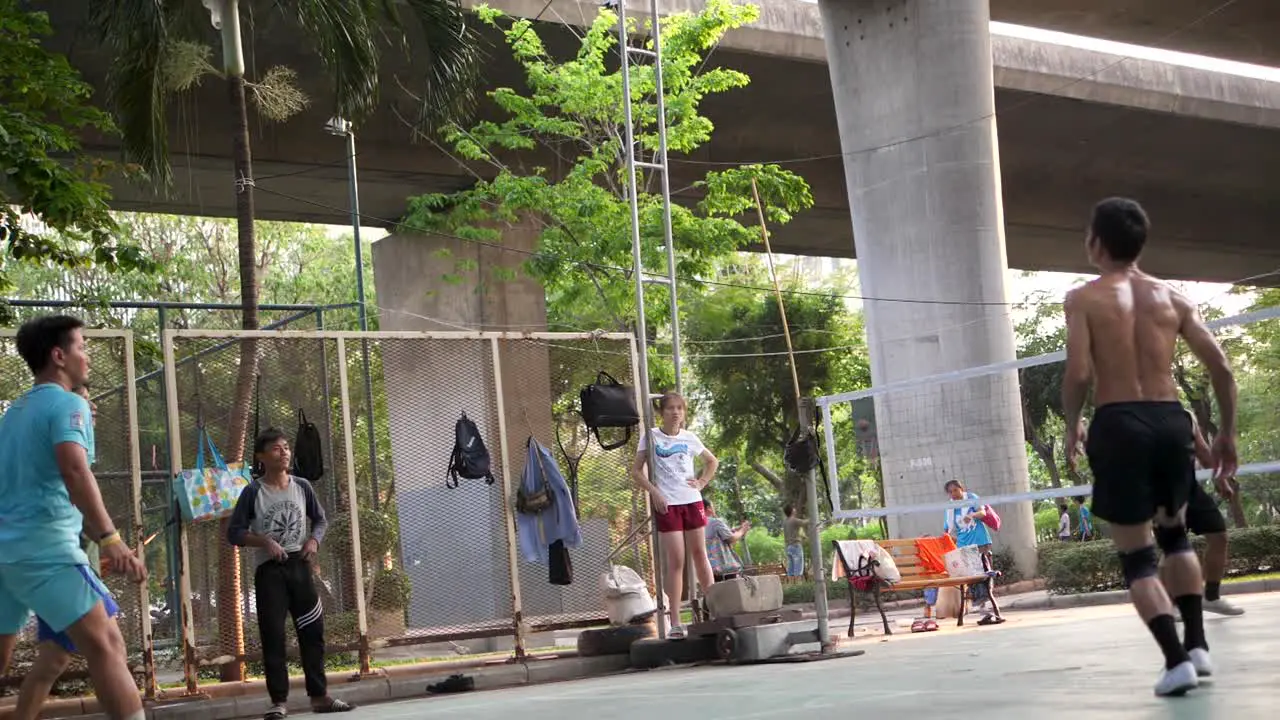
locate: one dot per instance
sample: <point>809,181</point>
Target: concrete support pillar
<point>453,541</point>
<point>916,109</point>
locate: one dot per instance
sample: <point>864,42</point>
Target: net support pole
<point>806,408</point>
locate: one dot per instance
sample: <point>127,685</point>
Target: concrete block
<point>576,668</point>
<point>501,676</point>
<point>220,709</point>
<point>363,692</point>
<point>407,687</point>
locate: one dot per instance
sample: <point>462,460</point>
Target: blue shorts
<point>58,594</point>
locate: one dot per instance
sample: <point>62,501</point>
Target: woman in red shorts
<point>676,497</point>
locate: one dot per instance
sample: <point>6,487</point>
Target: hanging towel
<point>536,533</point>
<point>932,550</point>
<point>853,551</point>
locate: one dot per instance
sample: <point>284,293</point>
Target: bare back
<point>1133,322</point>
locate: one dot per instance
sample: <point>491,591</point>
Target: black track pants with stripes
<point>282,589</point>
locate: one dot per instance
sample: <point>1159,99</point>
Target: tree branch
<point>769,475</point>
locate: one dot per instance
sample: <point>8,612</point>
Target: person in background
<point>1086,519</point>
<point>1064,523</point>
<point>793,537</point>
<point>280,516</point>
<point>725,564</point>
<point>966,526</point>
<point>1206,520</point>
<point>676,498</point>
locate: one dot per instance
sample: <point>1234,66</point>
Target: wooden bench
<point>862,577</point>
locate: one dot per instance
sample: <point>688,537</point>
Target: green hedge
<point>1069,568</point>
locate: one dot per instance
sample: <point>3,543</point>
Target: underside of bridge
<point>1207,184</point>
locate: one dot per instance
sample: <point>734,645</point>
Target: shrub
<point>765,549</point>
<point>391,590</point>
<point>1094,566</point>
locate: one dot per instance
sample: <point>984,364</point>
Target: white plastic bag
<point>964,562</point>
<point>626,596</point>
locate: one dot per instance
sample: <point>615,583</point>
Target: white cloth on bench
<point>854,550</point>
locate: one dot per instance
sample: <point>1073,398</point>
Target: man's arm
<point>1203,453</point>
<point>241,517</point>
<point>82,487</point>
<point>315,512</point>
<point>1205,347</point>
<point>1079,369</point>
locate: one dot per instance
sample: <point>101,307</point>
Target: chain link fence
<point>289,380</point>
<point>438,563</point>
<point>117,467</point>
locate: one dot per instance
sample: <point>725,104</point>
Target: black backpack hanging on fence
<point>308,454</point>
<point>607,403</point>
<point>470,458</point>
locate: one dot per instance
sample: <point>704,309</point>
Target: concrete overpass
<point>1198,147</point>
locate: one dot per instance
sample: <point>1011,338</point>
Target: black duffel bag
<point>607,403</point>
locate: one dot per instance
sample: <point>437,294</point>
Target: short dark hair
<point>38,337</point>
<point>949,483</point>
<point>708,505</point>
<point>1121,226</point>
<point>267,437</point>
<point>1079,499</point>
<point>788,509</point>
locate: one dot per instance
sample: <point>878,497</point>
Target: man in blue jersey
<point>48,494</point>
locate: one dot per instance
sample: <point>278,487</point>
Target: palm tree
<point>161,48</point>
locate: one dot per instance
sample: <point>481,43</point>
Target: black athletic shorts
<point>1203,515</point>
<point>1141,454</point>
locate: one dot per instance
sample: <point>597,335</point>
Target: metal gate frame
<point>520,628</point>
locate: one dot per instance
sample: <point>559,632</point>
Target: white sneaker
<point>1178,681</point>
<point>1200,660</point>
<point>1222,606</point>
<point>677,632</point>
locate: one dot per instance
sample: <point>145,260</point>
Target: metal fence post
<point>188,634</point>
<point>645,407</point>
<point>508,498</point>
<point>357,561</point>
<point>139,530</point>
<point>805,413</point>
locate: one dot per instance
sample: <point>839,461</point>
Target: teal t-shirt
<point>38,523</point>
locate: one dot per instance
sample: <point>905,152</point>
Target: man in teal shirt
<point>48,494</point>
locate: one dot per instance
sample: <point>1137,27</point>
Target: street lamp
<point>342,128</point>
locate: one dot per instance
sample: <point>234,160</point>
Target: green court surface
<point>1097,663</point>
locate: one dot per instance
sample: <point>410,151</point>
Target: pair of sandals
<point>930,625</point>
<point>332,705</point>
<point>924,625</point>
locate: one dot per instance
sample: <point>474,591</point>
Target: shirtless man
<point>1121,333</point>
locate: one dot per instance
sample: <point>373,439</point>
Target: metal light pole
<point>342,128</point>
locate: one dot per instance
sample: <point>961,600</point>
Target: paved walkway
<point>1096,662</point>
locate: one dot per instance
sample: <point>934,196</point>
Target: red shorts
<point>679,518</point>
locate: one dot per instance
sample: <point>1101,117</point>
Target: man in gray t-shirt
<point>280,517</point>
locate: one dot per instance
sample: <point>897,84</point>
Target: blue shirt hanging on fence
<point>558,522</point>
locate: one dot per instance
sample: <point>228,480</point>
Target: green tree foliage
<point>743,371</point>
<point>571,110</point>
<point>47,175</point>
<point>1042,332</point>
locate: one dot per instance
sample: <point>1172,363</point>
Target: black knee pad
<point>1173,540</point>
<point>1139,564</point>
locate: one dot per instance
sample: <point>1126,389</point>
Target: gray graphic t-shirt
<point>288,515</point>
